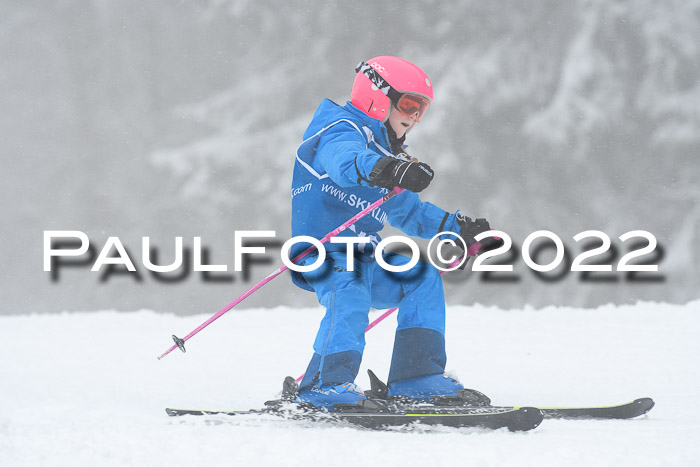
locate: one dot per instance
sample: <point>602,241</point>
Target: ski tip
<point>645,404</point>
<point>526,419</point>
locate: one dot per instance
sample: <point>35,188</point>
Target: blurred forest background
<point>181,118</point>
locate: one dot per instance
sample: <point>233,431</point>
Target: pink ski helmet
<point>384,80</point>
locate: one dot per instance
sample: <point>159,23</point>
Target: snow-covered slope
<point>87,389</point>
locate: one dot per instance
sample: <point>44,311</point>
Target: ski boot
<point>326,397</point>
<point>434,389</point>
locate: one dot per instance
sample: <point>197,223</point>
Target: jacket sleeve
<point>342,153</point>
<point>419,218</point>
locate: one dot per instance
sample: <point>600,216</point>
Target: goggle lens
<point>412,103</point>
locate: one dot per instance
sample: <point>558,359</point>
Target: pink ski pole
<point>471,251</point>
<point>180,342</point>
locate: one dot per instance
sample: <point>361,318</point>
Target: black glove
<point>390,172</point>
<point>468,229</point>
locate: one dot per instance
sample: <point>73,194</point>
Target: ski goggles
<point>405,102</point>
<point>410,104</point>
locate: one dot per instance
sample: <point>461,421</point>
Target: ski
<point>378,415</point>
<point>636,408</point>
<point>468,398</point>
<point>457,405</point>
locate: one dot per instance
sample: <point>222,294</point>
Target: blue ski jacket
<point>341,146</point>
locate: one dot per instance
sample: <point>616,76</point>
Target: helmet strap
<point>395,143</point>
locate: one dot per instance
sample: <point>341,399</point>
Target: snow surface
<point>87,389</point>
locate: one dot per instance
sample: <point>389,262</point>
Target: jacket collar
<point>377,127</point>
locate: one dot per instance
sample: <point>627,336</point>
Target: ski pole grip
<point>474,248</point>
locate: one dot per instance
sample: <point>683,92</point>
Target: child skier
<point>351,155</point>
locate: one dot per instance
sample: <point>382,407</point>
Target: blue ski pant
<point>419,345</point>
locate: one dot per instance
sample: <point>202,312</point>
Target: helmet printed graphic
<point>384,80</point>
